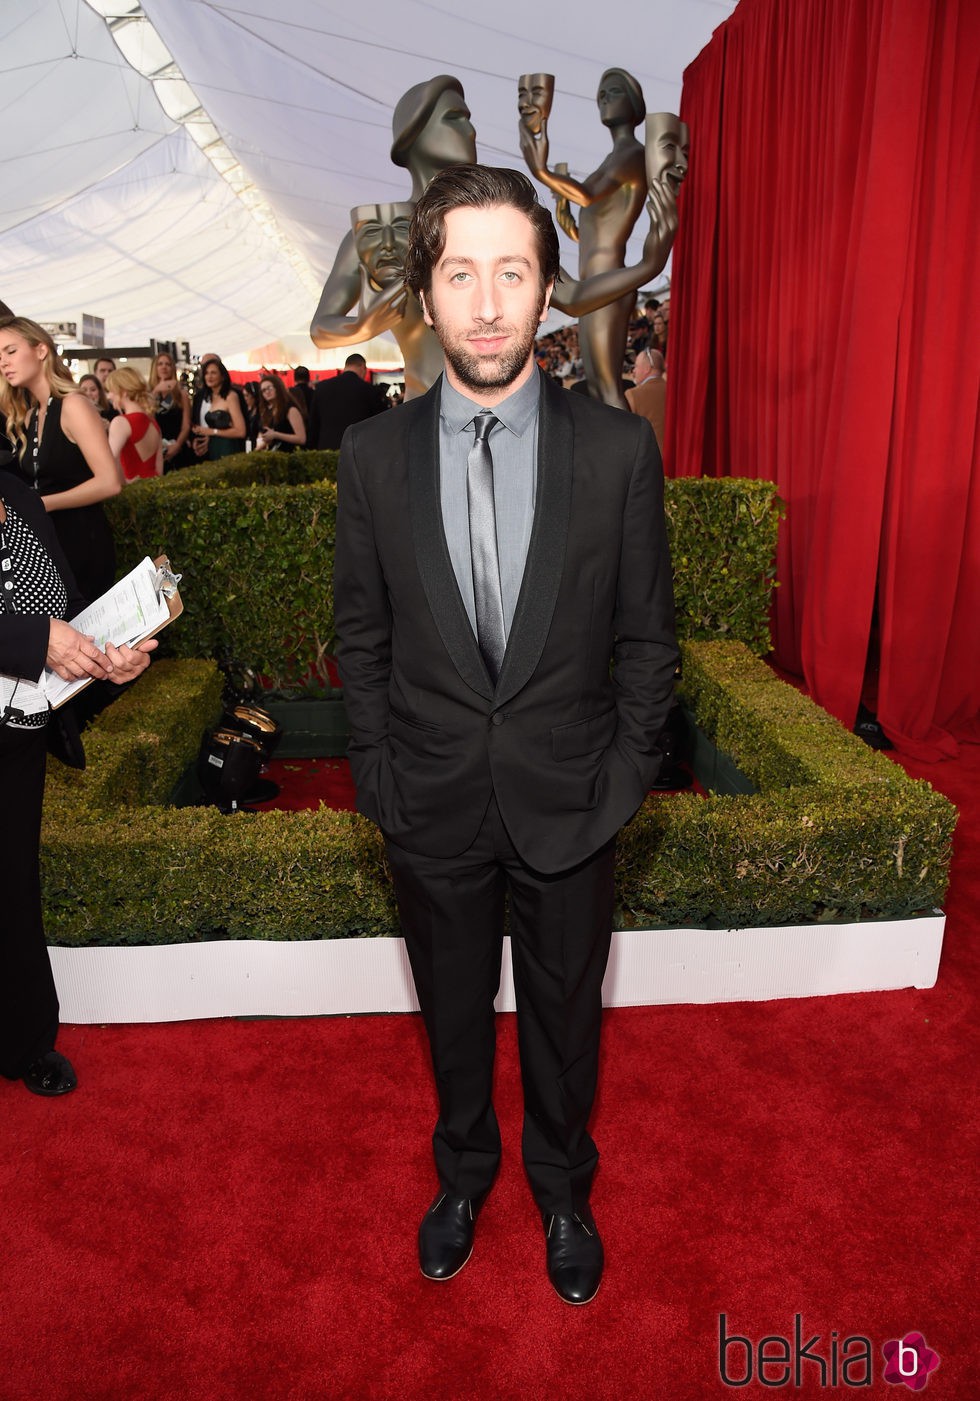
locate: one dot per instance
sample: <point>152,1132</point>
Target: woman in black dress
<point>62,449</point>
<point>217,420</point>
<point>173,413</point>
<point>283,426</point>
<point>37,594</point>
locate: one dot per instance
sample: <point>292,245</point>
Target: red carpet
<point>228,1209</point>
<point>305,783</point>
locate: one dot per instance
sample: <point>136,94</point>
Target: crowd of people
<point>198,416</point>
<point>204,415</point>
<point>558,352</point>
<point>644,369</point>
<point>170,420</point>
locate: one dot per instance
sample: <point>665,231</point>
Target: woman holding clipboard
<point>37,593</point>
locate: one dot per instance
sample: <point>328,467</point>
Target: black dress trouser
<point>28,1000</point>
<point>452,917</point>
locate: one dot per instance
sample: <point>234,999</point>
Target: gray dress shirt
<point>514,445</point>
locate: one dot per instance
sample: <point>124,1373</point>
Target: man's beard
<point>476,372</point>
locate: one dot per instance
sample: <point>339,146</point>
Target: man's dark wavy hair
<point>474,187</point>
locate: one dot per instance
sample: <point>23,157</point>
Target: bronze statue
<point>535,94</point>
<point>431,129</point>
<point>380,240</point>
<point>611,199</point>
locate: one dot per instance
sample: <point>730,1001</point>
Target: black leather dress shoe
<point>575,1256</point>
<point>446,1235</point>
<point>50,1074</point>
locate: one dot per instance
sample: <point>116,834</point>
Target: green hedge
<point>121,867</point>
<point>722,535</point>
<point>256,559</point>
<point>253,536</point>
<point>835,832</point>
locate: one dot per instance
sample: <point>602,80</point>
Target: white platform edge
<point>184,982</point>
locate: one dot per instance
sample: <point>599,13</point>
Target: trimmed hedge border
<point>253,537</point>
<point>836,831</point>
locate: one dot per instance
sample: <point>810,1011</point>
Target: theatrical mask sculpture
<point>381,239</point>
<point>535,94</point>
<point>668,144</point>
<point>611,199</point>
<point>431,129</point>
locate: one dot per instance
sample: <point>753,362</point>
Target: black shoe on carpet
<point>575,1256</point>
<point>446,1235</point>
<point>51,1074</point>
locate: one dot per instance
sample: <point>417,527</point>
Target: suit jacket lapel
<point>431,550</point>
<point>546,551</point>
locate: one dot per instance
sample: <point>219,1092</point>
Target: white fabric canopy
<point>185,168</point>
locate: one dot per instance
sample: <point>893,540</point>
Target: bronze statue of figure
<point>611,199</point>
<point>381,239</point>
<point>431,129</point>
<point>535,94</point>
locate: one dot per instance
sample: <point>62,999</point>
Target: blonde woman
<point>134,435</point>
<point>61,448</point>
<point>173,412</point>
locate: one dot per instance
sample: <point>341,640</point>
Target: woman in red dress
<point>134,436</point>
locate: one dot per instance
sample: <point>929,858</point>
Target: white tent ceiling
<point>185,168</point>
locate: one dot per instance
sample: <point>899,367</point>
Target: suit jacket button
<point>497,718</point>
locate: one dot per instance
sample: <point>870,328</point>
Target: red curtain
<point>824,333</point>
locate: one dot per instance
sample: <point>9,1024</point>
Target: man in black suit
<point>302,391</point>
<point>337,403</point>
<point>489,568</point>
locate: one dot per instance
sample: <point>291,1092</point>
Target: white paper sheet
<point>130,611</point>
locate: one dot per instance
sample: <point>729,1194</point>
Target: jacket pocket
<point>412,724</point>
<point>584,736</point>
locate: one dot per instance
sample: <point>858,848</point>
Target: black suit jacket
<point>339,402</point>
<point>567,744</point>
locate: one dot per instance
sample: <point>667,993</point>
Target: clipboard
<point>170,594</point>
<point>165,583</point>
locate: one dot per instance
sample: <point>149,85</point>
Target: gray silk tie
<point>483,546</point>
